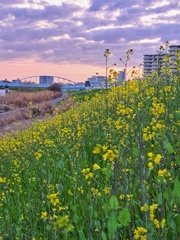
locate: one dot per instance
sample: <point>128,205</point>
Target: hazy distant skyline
<point>68,37</point>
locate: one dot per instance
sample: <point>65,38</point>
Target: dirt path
<point>64,95</point>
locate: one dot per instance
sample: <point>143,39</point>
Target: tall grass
<point>107,169</point>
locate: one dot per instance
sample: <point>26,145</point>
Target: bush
<point>56,87</point>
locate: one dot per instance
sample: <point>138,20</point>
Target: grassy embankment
<point>106,169</point>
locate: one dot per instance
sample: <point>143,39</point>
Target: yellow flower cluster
<point>96,167</point>
<point>123,196</point>
<point>106,190</point>
<point>87,174</point>
<point>54,199</point>
<point>95,192</point>
<point>97,149</point>
<point>122,110</point>
<point>148,134</point>
<point>155,126</point>
<point>157,109</point>
<point>140,233</point>
<point>156,158</point>
<point>159,224</point>
<point>144,208</point>
<point>164,173</point>
<point>44,215</point>
<point>110,155</point>
<point>81,190</point>
<point>2,180</point>
<point>62,224</point>
<point>152,209</point>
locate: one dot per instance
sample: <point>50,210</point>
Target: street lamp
<point>114,64</point>
<point>130,70</point>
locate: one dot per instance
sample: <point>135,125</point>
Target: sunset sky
<point>68,37</point>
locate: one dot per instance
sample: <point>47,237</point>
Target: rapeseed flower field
<point>106,169</point>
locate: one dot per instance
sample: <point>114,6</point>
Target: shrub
<point>56,87</point>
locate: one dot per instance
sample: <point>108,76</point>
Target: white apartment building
<point>96,81</point>
<point>97,78</point>
<point>172,51</point>
<point>153,62</point>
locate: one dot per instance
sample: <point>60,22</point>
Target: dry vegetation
<point>27,108</point>
<point>15,100</point>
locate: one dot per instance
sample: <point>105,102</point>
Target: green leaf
<point>75,219</point>
<point>120,150</point>
<point>168,147</point>
<point>81,235</point>
<point>60,187</point>
<point>97,224</point>
<point>91,211</point>
<point>177,221</point>
<point>108,171</point>
<point>124,217</point>
<point>166,194</point>
<point>178,160</point>
<point>96,215</point>
<point>135,151</point>
<point>176,190</point>
<point>114,204</point>
<point>48,227</point>
<point>160,197</point>
<point>139,222</point>
<point>103,235</point>
<point>106,207</point>
<point>112,225</point>
<point>60,164</point>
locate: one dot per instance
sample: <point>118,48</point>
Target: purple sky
<point>68,37</point>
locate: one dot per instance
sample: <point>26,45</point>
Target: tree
<point>56,87</point>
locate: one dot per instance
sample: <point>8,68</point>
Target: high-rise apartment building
<point>153,62</point>
<point>173,57</point>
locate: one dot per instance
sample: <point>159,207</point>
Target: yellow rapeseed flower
<point>2,180</point>
<point>97,149</point>
<point>163,222</point>
<point>144,207</point>
<point>162,173</point>
<point>140,233</point>
<point>44,215</point>
<point>150,155</point>
<point>150,165</point>
<point>122,196</point>
<point>110,155</point>
<point>96,167</point>
<point>156,223</point>
<point>157,158</point>
<point>106,190</point>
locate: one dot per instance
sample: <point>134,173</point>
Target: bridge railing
<point>23,85</point>
<point>33,85</point>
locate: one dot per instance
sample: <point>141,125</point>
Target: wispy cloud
<point>80,31</point>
